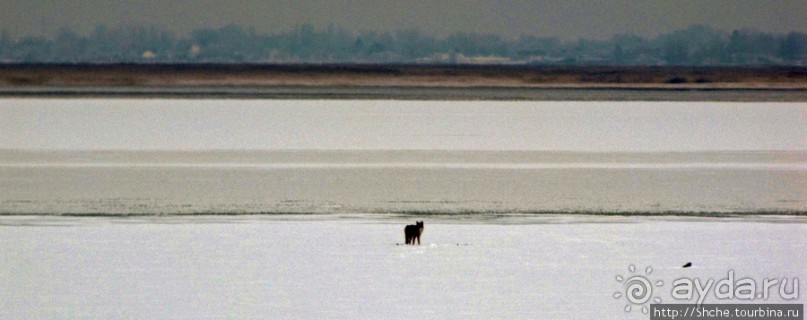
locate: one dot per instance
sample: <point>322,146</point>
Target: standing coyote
<point>413,232</point>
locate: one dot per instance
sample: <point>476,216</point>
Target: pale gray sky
<point>568,19</point>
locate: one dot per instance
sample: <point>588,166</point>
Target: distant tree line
<point>697,46</point>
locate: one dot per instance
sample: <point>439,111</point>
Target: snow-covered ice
<point>355,267</point>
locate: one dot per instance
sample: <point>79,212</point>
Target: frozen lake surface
<point>350,267</point>
<point>369,156</point>
<point>583,126</point>
<point>295,209</point>
<point>272,182</point>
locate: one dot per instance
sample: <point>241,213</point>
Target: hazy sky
<point>568,19</point>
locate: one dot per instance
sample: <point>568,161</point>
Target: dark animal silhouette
<point>413,232</point>
<point>687,265</point>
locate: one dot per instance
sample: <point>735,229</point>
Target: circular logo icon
<point>638,289</point>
